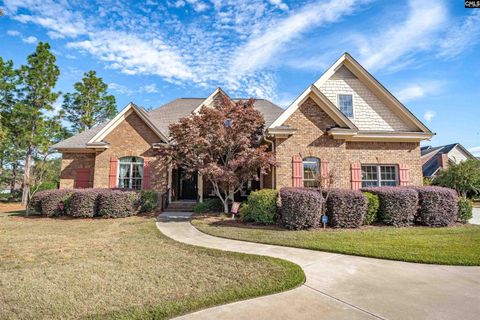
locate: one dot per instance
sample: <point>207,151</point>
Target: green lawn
<point>459,245</point>
<point>121,268</point>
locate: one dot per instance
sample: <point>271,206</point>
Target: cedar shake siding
<point>311,140</point>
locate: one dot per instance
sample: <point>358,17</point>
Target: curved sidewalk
<point>344,287</point>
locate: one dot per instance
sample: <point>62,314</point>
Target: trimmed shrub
<point>84,203</point>
<point>118,203</point>
<point>53,202</point>
<point>209,205</point>
<point>345,208</point>
<point>149,201</point>
<point>261,207</point>
<point>437,206</point>
<point>465,209</point>
<point>36,201</point>
<point>372,208</point>
<point>398,206</point>
<point>300,208</point>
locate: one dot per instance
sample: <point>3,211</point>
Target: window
<point>311,172</point>
<point>345,103</point>
<point>130,173</point>
<point>379,175</point>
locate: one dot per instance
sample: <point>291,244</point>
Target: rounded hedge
<point>118,204</point>
<point>300,208</point>
<point>437,206</point>
<point>465,210</point>
<point>261,207</point>
<point>345,208</point>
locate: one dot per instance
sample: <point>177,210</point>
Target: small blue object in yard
<point>324,219</point>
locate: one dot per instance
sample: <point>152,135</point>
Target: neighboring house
<point>436,158</point>
<point>346,123</point>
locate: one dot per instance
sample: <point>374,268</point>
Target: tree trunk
<point>26,177</point>
<point>13,182</point>
<point>225,206</point>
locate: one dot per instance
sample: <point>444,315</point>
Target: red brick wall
<point>311,139</point>
<point>71,162</point>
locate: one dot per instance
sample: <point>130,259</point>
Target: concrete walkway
<point>476,216</point>
<point>344,287</point>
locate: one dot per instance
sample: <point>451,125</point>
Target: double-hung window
<point>379,175</point>
<point>311,172</point>
<point>130,173</point>
<point>345,103</point>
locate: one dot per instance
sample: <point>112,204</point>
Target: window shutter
<point>146,174</point>
<point>297,168</point>
<point>404,174</point>
<point>82,178</point>
<point>324,172</point>
<point>112,181</point>
<point>356,176</point>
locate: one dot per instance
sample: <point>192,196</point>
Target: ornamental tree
<point>223,143</point>
<point>463,177</point>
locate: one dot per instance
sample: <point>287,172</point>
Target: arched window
<point>130,173</point>
<point>311,172</point>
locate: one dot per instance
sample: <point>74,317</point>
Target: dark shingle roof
<point>169,113</point>
<point>432,165</point>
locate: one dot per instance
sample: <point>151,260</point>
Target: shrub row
<point>261,207</point>
<point>300,208</point>
<point>105,203</point>
<point>345,208</point>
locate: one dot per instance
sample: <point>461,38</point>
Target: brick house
<point>434,159</point>
<point>345,123</point>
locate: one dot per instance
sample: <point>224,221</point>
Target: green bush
<point>465,209</point>
<point>372,208</point>
<point>118,203</point>
<point>209,205</point>
<point>149,201</point>
<point>261,207</point>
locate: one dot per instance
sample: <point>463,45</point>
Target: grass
<point>458,245</point>
<point>122,269</point>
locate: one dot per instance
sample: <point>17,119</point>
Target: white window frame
<point>303,170</point>
<point>379,179</point>
<point>130,178</point>
<point>353,103</point>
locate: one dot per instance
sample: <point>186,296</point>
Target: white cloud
<point>416,33</point>
<point>429,115</point>
<point>260,50</point>
<point>13,33</point>
<point>149,88</point>
<point>461,36</point>
<point>133,55</point>
<point>120,88</point>
<point>198,5</point>
<point>30,39</point>
<point>419,90</point>
<point>279,4</point>
<point>475,151</point>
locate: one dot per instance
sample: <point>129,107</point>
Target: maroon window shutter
<point>112,177</point>
<point>356,176</point>
<point>324,172</point>
<point>297,170</point>
<point>82,178</point>
<point>146,174</point>
<point>404,174</point>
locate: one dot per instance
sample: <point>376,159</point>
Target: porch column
<point>169,183</point>
<point>200,187</point>
<point>261,181</point>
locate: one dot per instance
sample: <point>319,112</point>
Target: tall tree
<point>223,144</point>
<point>90,104</point>
<point>463,177</point>
<point>35,130</point>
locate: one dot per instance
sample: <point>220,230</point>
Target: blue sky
<point>425,52</point>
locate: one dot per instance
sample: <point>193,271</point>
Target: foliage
<point>300,208</point>
<point>398,206</point>
<point>437,206</point>
<point>222,143</point>
<point>53,202</point>
<point>117,203</point>
<point>83,203</point>
<point>209,205</point>
<point>465,209</point>
<point>149,200</point>
<point>345,208</point>
<point>45,174</point>
<point>261,207</point>
<point>372,208</point>
<point>427,181</point>
<point>463,177</point>
<point>90,104</point>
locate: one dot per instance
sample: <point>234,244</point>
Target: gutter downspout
<point>273,169</point>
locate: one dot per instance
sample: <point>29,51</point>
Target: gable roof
<point>159,118</point>
<point>347,61</point>
<point>432,165</point>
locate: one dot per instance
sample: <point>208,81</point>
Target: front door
<point>187,186</point>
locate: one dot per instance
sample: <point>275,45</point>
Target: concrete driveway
<point>476,216</point>
<point>345,287</point>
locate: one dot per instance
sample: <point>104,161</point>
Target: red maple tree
<point>223,143</point>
